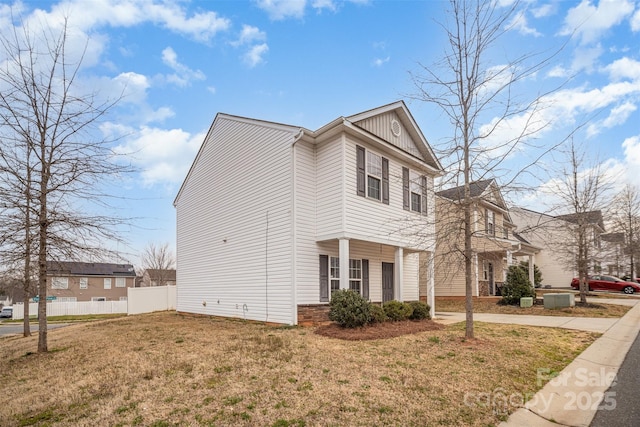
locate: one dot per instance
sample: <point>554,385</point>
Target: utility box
<point>553,301</point>
<point>526,302</point>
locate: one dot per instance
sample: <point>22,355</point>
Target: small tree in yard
<point>516,286</point>
<point>537,274</point>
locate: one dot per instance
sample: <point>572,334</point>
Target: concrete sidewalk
<point>573,397</point>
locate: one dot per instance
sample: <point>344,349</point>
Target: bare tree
<point>53,121</point>
<point>469,90</point>
<point>625,218</point>
<point>157,260</point>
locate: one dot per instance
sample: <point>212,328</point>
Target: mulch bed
<point>378,330</point>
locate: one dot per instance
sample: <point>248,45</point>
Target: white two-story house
<point>272,218</point>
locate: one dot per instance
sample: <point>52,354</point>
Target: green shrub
<point>349,309</point>
<point>537,274</point>
<point>420,310</point>
<point>396,310</point>
<point>377,314</point>
<point>516,286</point>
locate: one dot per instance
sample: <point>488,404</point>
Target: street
<point>626,411</point>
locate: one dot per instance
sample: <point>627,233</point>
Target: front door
<point>492,290</point>
<point>387,281</point>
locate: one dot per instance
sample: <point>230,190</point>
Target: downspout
<point>294,231</point>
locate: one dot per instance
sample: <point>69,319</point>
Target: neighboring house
<point>272,218</point>
<point>556,236</point>
<point>615,259</point>
<point>495,246</point>
<point>89,281</point>
<point>158,277</point>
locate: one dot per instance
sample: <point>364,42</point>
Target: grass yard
<point>167,369</point>
<point>593,308</point>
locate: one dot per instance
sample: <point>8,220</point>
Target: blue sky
<point>306,63</point>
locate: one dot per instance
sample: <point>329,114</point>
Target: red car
<point>607,283</point>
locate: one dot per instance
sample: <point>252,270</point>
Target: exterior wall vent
<point>396,129</point>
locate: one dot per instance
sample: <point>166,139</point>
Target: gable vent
<point>396,129</point>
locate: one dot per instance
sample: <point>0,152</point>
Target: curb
<point>574,396</point>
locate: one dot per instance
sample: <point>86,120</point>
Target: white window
<point>59,283</point>
<point>491,217</point>
<point>355,275</point>
<point>107,283</point>
<point>485,270</point>
<point>123,298</point>
<point>67,299</point>
<point>84,283</point>
<point>374,175</point>
<point>98,299</point>
<point>415,186</point>
<point>120,282</point>
<point>334,274</point>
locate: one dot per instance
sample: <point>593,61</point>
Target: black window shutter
<point>361,171</point>
<point>486,221</point>
<point>365,279</point>
<point>385,181</point>
<point>424,195</point>
<point>324,278</point>
<point>406,196</point>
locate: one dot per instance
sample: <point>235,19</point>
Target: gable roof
<point>590,218</point>
<point>476,189</point>
<point>156,273</point>
<point>89,269</point>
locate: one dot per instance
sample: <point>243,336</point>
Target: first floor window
<point>334,274</point>
<point>67,299</point>
<point>123,298</point>
<point>59,283</point>
<point>120,282</point>
<point>84,283</point>
<point>107,283</point>
<point>98,299</point>
<point>485,270</point>
<point>355,275</point>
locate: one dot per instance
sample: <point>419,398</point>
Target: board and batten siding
<point>379,125</point>
<point>234,224</point>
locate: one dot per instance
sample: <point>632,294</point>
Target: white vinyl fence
<point>55,308</point>
<point>139,300</point>
<point>153,298</point>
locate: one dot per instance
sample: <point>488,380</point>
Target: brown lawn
<point>168,369</point>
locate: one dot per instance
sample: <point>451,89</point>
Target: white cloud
<point>519,23</point>
<point>255,55</point>
<point>617,116</point>
<point>163,155</point>
<point>379,62</point>
<point>320,5</point>
<point>590,22</point>
<point>543,11</point>
<point>184,75</point>
<point>635,21</point>
<point>282,9</point>
<point>249,35</point>
<point>585,58</point>
<point>624,68</point>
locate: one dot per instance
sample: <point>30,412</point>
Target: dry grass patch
<point>168,369</point>
<point>592,309</point>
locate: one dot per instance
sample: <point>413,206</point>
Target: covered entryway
<point>387,281</point>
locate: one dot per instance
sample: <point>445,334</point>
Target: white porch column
<point>474,260</point>
<point>532,260</point>
<point>431,288</point>
<point>399,273</point>
<point>343,248</point>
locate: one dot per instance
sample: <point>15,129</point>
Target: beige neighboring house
<point>89,281</point>
<point>495,246</point>
<point>158,277</point>
<point>615,256</point>
<point>556,238</point>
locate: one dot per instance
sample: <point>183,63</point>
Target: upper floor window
<point>372,175</point>
<point>107,283</point>
<point>59,283</point>
<point>490,218</point>
<point>414,189</point>
<point>84,283</point>
<point>120,282</point>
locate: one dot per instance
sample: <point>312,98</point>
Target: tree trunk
<point>42,257</point>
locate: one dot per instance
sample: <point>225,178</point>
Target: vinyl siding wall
<point>234,229</point>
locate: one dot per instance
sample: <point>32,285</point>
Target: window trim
<point>122,280</point>
<point>107,283</point>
